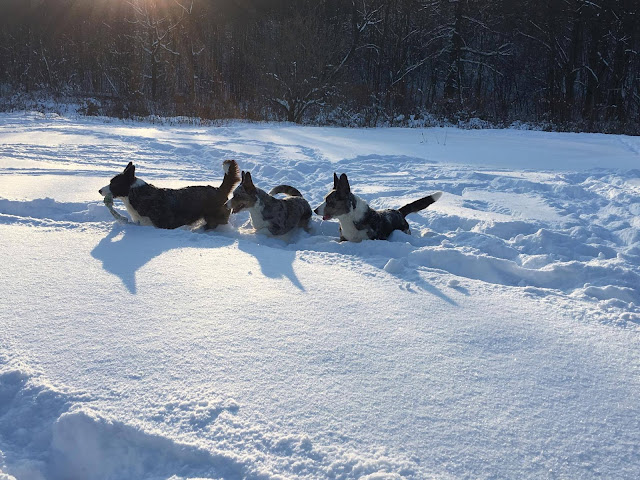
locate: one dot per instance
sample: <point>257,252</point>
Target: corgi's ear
<point>242,176</point>
<point>335,181</point>
<point>130,170</point>
<point>248,183</point>
<point>343,184</point>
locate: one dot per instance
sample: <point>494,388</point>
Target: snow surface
<point>500,340</point>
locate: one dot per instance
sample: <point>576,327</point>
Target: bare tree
<point>308,56</point>
<point>574,64</point>
<point>155,22</point>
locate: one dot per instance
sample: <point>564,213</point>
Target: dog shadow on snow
<point>128,248</point>
<point>377,253</point>
<point>275,261</point>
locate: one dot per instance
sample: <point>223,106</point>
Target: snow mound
<point>86,445</point>
<point>50,433</point>
<point>394,266</point>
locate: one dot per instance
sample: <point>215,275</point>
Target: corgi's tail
<point>231,177</point>
<point>419,204</point>
<point>286,189</point>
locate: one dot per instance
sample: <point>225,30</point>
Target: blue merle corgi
<point>173,208</point>
<point>277,216</point>
<point>358,221</point>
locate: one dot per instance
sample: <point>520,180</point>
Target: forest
<point>556,64</point>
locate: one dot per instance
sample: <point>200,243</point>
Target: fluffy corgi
<point>173,208</point>
<point>277,215</point>
<point>358,221</point>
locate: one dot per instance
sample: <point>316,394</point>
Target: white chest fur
<point>135,216</point>
<point>257,219</point>
<point>349,230</point>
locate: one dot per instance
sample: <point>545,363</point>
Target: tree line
<point>565,64</point>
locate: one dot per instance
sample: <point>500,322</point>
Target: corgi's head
<point>245,194</point>
<point>121,183</point>
<point>338,201</point>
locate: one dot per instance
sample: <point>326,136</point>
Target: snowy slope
<point>500,340</point>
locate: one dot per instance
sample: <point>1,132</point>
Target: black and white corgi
<point>173,208</point>
<point>358,221</point>
<point>277,215</point>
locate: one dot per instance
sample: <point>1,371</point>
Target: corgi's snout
<point>104,191</point>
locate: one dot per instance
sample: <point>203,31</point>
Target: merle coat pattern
<point>278,215</point>
<point>358,221</point>
<point>173,208</point>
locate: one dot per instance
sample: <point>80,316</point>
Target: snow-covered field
<point>500,340</point>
